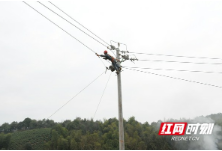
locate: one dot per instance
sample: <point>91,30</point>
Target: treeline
<point>26,124</point>
<point>84,134</point>
<point>88,135</point>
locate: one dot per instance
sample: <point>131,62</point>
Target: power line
<point>71,23</point>
<point>75,25</point>
<point>102,95</point>
<point>78,23</point>
<point>176,78</point>
<point>62,29</point>
<point>59,27</point>
<point>175,56</point>
<point>75,95</point>
<point>172,61</point>
<point>195,71</point>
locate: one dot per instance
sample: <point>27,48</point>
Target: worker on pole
<point>115,65</point>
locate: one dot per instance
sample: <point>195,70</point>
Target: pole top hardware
<point>126,57</point>
<point>124,52</point>
<point>133,59</point>
<point>112,47</point>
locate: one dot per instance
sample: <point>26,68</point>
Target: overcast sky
<point>42,67</point>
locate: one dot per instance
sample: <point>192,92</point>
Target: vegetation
<point>30,139</point>
<point>86,134</point>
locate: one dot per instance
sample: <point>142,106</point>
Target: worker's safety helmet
<point>105,52</point>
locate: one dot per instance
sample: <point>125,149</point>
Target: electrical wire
<point>75,25</point>
<point>59,27</point>
<point>172,61</point>
<point>79,23</point>
<point>102,95</point>
<point>195,71</point>
<point>71,23</point>
<point>175,56</point>
<point>62,29</point>
<point>175,78</point>
<point>75,95</point>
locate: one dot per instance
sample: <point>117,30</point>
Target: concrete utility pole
<point>121,130</point>
<point>120,111</point>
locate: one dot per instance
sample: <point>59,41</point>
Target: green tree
<point>63,144</point>
<point>27,122</point>
<point>1,140</point>
<point>13,126</point>
<point>54,139</point>
<point>61,130</point>
<point>5,127</point>
<point>28,146</point>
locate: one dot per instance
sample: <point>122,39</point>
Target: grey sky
<point>41,67</point>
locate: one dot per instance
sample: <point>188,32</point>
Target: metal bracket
<point>112,47</point>
<point>133,59</point>
<point>126,57</point>
<point>124,52</point>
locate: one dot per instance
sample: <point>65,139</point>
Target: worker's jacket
<point>109,57</point>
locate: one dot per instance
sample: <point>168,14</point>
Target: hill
<point>89,135</point>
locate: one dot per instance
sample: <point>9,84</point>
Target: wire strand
<point>75,95</point>
<point>59,26</point>
<point>71,23</point>
<point>102,95</point>
<point>176,78</point>
<point>195,71</point>
<point>75,25</point>
<point>172,61</point>
<point>176,56</point>
<point>62,29</point>
<point>78,23</point>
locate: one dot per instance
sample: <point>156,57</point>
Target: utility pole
<point>121,129</point>
<point>120,110</point>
